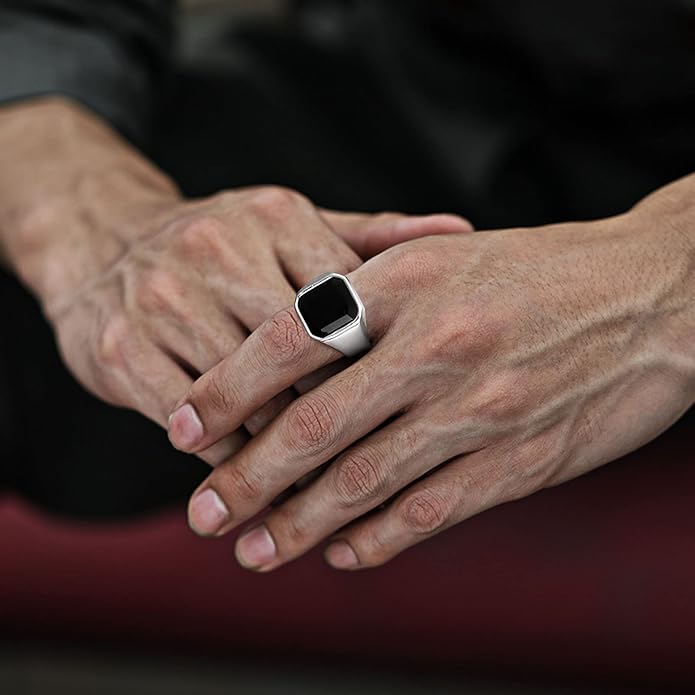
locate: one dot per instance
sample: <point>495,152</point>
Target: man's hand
<point>147,290</point>
<point>503,363</point>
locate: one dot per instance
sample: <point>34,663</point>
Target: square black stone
<point>328,307</point>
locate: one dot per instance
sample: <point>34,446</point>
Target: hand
<point>186,293</point>
<point>146,290</point>
<point>503,363</point>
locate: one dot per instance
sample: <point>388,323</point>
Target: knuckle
<point>446,340</point>
<point>588,428</point>
<point>486,328</point>
<point>283,338</point>
<point>425,512</point>
<point>419,261</point>
<point>357,480</point>
<point>274,203</point>
<point>521,481</point>
<point>463,334</point>
<point>113,340</point>
<point>502,397</point>
<point>539,462</point>
<point>295,533</point>
<point>387,218</point>
<point>226,199</point>
<point>157,290</point>
<point>410,440</point>
<point>375,549</point>
<point>312,423</point>
<point>203,236</point>
<point>216,394</point>
<point>243,486</point>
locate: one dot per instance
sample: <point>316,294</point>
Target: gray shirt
<point>110,55</point>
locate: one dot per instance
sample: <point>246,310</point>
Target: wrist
<point>664,223</point>
<point>71,191</point>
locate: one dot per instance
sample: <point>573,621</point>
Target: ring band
<point>332,313</point>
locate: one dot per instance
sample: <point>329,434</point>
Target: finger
<point>303,386</point>
<point>190,323</point>
<point>356,483</point>
<point>259,420</point>
<point>316,378</point>
<point>161,384</point>
<point>222,450</point>
<point>268,412</point>
<point>303,482</point>
<point>197,340</point>
<point>226,447</point>
<point>369,235</point>
<point>274,357</point>
<point>281,295</point>
<point>201,339</point>
<point>311,431</point>
<point>137,374</point>
<point>462,488</point>
<point>268,362</point>
<point>255,295</point>
<point>313,250</point>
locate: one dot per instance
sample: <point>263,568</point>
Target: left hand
<point>502,363</point>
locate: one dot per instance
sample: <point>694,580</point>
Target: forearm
<point>68,186</point>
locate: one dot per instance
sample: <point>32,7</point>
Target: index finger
<point>275,356</point>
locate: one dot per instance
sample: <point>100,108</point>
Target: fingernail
<point>256,548</point>
<point>185,427</point>
<point>207,513</point>
<point>341,556</point>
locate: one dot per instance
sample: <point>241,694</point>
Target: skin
<point>502,363</point>
<point>145,289</point>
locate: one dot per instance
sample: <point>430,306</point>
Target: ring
<point>332,313</point>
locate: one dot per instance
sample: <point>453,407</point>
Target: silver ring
<point>332,313</point>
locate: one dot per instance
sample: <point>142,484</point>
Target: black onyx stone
<point>328,307</point>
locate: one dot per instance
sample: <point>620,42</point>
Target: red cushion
<point>595,578</point>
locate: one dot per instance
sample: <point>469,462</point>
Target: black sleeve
<point>110,55</point>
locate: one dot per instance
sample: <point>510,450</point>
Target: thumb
<point>369,235</point>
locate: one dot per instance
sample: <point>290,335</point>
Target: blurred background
<point>587,588</point>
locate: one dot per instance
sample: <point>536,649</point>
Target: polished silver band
<point>350,338</point>
<point>351,341</point>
